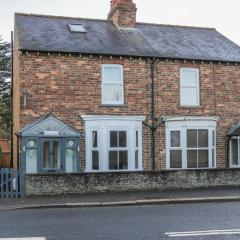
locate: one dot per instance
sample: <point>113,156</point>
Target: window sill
<point>113,105</point>
<point>114,171</point>
<point>182,106</point>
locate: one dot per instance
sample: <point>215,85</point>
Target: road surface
<point>207,221</point>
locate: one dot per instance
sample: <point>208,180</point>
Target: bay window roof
<point>234,131</point>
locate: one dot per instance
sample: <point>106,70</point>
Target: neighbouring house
<point>119,95</point>
<point>5,162</point>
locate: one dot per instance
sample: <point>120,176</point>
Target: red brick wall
<point>70,86</point>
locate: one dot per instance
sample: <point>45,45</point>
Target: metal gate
<point>11,183</point>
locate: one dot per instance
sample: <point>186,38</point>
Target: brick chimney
<point>123,13</point>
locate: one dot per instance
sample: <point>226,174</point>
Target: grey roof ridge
<point>180,26</point>
<point>105,20</point>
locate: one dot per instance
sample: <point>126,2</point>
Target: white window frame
<point>185,123</point>
<point>104,66</point>
<point>230,152</point>
<point>182,86</point>
<point>103,125</point>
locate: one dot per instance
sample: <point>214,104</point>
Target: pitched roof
<point>48,123</point>
<point>52,34</point>
<point>5,145</point>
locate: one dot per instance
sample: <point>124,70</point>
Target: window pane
<point>192,138</point>
<point>113,160</point>
<point>122,139</point>
<point>213,158</point>
<point>112,93</point>
<point>95,160</point>
<point>94,139</point>
<point>175,139</point>
<point>192,159</point>
<point>113,139</point>
<point>71,160</point>
<point>213,138</point>
<point>175,159</point>
<point>189,96</point>
<point>202,138</point>
<point>136,159</point>
<point>123,160</point>
<point>46,155</point>
<point>203,158</point>
<point>137,139</point>
<point>189,78</point>
<point>31,160</point>
<point>112,75</point>
<point>70,143</point>
<point>32,143</point>
<point>234,151</point>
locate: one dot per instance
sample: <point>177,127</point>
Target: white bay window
<point>113,143</point>
<point>190,142</point>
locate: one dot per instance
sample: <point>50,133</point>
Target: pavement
<point>124,199</point>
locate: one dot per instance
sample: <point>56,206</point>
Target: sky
<point>221,14</point>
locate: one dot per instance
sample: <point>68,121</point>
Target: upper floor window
<point>112,84</point>
<point>189,87</point>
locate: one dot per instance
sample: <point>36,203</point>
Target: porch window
<point>112,84</point>
<point>191,144</point>
<point>113,143</point>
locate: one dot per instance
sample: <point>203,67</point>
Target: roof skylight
<point>77,28</point>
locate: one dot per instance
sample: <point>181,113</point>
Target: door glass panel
<point>123,160</point>
<point>31,160</point>
<point>176,159</point>
<point>192,158</point>
<point>46,154</point>
<point>122,139</point>
<point>113,160</point>
<point>56,154</point>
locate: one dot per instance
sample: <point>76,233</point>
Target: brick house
<point>117,95</point>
